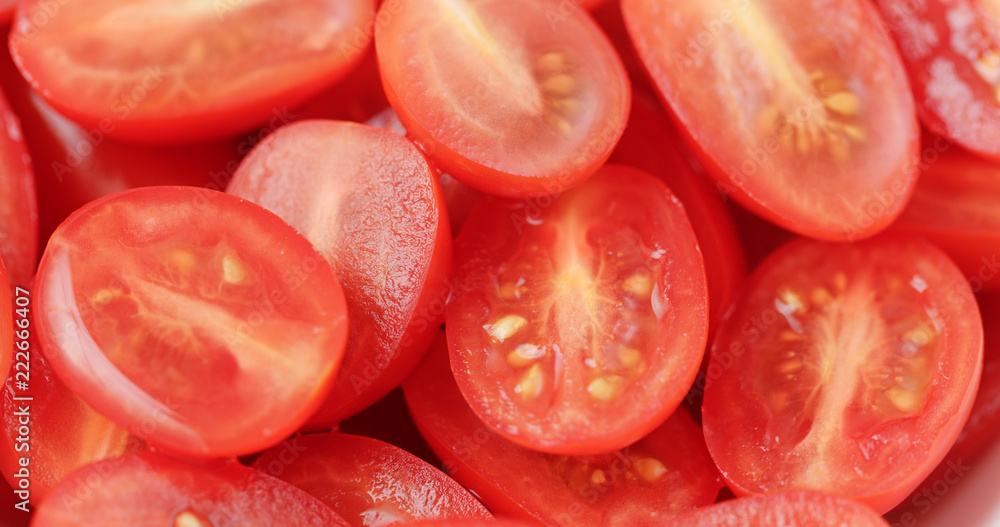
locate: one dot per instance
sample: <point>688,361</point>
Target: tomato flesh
<point>153,489</point>
<point>790,508</point>
<point>18,203</point>
<point>515,98</point>
<point>182,72</point>
<point>855,367</point>
<point>165,309</point>
<point>368,482</point>
<point>661,475</point>
<point>811,126</point>
<point>578,323</point>
<point>384,228</point>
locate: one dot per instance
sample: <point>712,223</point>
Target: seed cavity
<point>904,400</point>
<point>525,355</point>
<point>639,284</point>
<point>629,357</point>
<point>649,469</point>
<point>234,271</point>
<point>605,389</point>
<point>505,327</point>
<point>531,383</point>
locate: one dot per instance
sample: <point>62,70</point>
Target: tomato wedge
<point>182,72</point>
<point>52,430</point>
<point>153,489</point>
<point>855,367</point>
<point>516,98</point>
<point>659,476</point>
<point>199,321</point>
<point>368,482</point>
<point>370,203</point>
<point>810,125</point>
<point>790,508</point>
<point>952,53</point>
<point>957,206</point>
<point>578,322</point>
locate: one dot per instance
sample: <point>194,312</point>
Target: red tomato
<point>811,125</point>
<point>578,322</point>
<point>160,71</point>
<point>199,321</point>
<point>659,476</point>
<point>370,203</point>
<point>53,430</point>
<point>855,367</point>
<point>952,52</point>
<point>74,166</point>
<point>7,10</point>
<point>6,322</point>
<point>650,143</point>
<point>957,206</point>
<point>18,205</point>
<point>368,482</point>
<point>790,508</point>
<point>516,98</point>
<point>153,489</point>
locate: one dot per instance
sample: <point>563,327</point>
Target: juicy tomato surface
<point>51,428</point>
<point>650,143</point>
<point>957,206</point>
<point>790,508</point>
<point>181,73</point>
<point>855,367</point>
<point>370,203</point>
<point>951,49</point>
<point>515,97</point>
<point>154,489</point>
<point>18,203</point>
<point>659,476</point>
<point>74,165</point>
<point>809,125</point>
<point>368,482</point>
<point>6,322</point>
<point>193,310</point>
<point>578,322</point>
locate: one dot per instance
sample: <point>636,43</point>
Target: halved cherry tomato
<point>163,71</point>
<point>789,508</point>
<point>516,98</point>
<point>368,482</point>
<point>651,143</point>
<point>197,312</point>
<point>854,368</point>
<point>578,322</point>
<point>957,206</point>
<point>951,50</point>
<point>661,475</point>
<point>370,203</point>
<point>18,204</point>
<point>48,431</point>
<point>809,124</point>
<point>153,489</point>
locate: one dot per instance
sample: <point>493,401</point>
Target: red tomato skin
<point>155,489</point>
<point>953,99</point>
<point>359,477</point>
<point>955,296</point>
<point>18,201</point>
<point>7,300</point>
<point>789,508</point>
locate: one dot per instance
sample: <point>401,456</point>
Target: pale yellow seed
<point>789,336</point>
<point>560,84</point>
<point>821,296</point>
<point>629,357</point>
<point>189,519</point>
<point>525,355</point>
<point>550,62</point>
<point>790,367</point>
<point>530,385</point>
<point>844,103</point>
<point>854,132</point>
<point>506,327</point>
<point>639,284</point>
<point>598,477</point>
<point>791,299</point>
<point>649,469</point>
<point>234,270</point>
<point>605,389</point>
<point>921,336</point>
<point>561,125</point>
<point>510,291</point>
<point>184,260</point>
<point>103,296</point>
<point>904,400</point>
<point>567,107</point>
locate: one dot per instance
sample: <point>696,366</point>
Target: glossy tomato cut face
<point>368,482</point>
<point>662,475</point>
<point>18,202</point>
<point>197,320</point>
<point>513,97</point>
<point>855,367</point>
<point>370,203</point>
<point>578,323</point>
<point>810,125</point>
<point>181,72</point>
<point>789,508</point>
<point>952,53</point>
